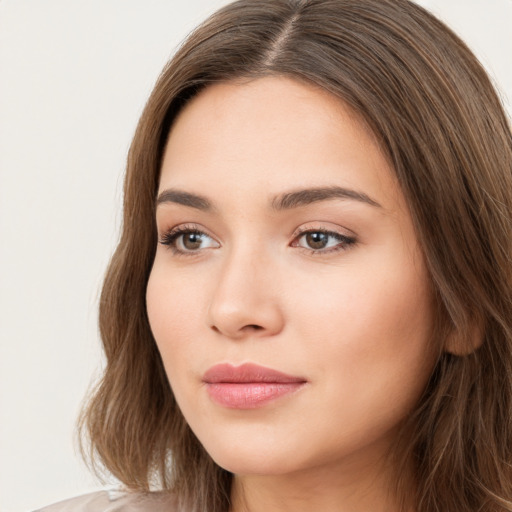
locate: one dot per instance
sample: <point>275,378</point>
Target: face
<point>288,298</point>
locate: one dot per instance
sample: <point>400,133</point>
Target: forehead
<point>273,134</point>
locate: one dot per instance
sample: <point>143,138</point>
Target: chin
<point>245,464</point>
<point>247,457</point>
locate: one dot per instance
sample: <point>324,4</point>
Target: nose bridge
<point>244,300</point>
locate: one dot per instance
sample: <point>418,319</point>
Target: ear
<point>462,342</point>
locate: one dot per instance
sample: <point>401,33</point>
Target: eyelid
<point>345,240</point>
<point>324,227</point>
<point>169,237</point>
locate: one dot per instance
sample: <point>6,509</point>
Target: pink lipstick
<point>248,386</point>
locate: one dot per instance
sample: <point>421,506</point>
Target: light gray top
<point>115,501</point>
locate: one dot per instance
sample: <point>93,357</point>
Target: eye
<point>320,240</point>
<point>186,240</point>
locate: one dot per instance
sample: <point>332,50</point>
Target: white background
<point>74,76</point>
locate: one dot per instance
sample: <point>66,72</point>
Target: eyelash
<point>344,242</point>
<point>171,237</point>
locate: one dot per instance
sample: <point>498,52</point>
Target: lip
<point>248,386</point>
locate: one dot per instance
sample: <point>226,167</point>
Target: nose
<point>246,301</point>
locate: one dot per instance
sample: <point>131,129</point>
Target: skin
<point>354,319</point>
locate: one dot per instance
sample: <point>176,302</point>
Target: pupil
<point>317,240</point>
<point>192,241</point>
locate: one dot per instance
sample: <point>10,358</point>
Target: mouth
<point>248,386</point>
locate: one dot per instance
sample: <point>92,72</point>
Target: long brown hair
<point>438,118</point>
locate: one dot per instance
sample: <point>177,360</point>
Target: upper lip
<point>245,373</point>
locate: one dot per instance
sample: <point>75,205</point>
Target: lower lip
<point>250,395</point>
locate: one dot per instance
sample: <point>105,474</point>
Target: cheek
<point>370,328</point>
<point>175,314</point>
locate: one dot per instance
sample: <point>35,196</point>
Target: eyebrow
<point>185,199</point>
<point>303,197</point>
<point>286,201</point>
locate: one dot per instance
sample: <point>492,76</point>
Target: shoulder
<point>115,501</point>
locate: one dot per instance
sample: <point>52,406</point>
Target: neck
<point>356,487</point>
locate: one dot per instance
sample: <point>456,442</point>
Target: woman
<point>309,307</point>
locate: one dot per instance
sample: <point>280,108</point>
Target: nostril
<point>254,327</point>
<point>248,327</point>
